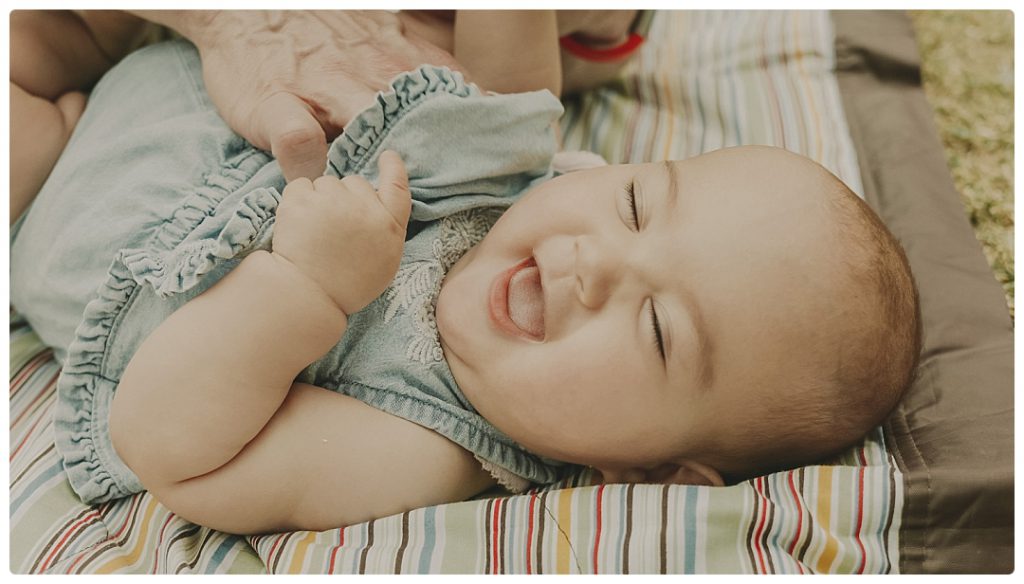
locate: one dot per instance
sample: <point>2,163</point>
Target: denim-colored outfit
<point>155,199</point>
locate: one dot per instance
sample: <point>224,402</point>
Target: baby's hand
<point>345,235</point>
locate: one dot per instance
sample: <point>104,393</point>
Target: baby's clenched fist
<point>344,234</point>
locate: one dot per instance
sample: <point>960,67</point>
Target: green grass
<point>967,68</point>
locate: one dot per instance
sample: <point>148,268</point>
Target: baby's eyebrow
<point>673,183</point>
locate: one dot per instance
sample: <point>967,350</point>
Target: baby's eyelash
<point>631,198</point>
<point>657,332</point>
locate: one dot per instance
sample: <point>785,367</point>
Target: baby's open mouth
<point>517,301</point>
<point>526,300</point>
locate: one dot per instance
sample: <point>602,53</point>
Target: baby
<point>322,353</point>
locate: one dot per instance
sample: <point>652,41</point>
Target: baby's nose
<point>600,267</point>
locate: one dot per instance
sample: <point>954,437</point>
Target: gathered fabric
<point>156,199</point>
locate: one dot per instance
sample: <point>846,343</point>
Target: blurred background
<point>967,69</point>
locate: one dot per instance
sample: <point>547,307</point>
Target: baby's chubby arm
<point>208,415</point>
<point>206,382</point>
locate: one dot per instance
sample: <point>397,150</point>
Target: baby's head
<point>753,315</point>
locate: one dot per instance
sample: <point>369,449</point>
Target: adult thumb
<point>296,138</point>
<point>393,186</point>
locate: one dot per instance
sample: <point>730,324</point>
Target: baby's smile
<point>638,314</point>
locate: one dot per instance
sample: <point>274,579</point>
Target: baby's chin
<point>458,316</point>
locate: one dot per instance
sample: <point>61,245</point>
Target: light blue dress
<point>155,199</point>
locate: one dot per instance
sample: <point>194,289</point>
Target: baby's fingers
<point>299,184</point>
<point>393,189</point>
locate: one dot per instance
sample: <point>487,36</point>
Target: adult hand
<point>289,81</point>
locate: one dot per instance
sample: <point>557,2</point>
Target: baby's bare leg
<point>55,55</point>
<point>39,130</point>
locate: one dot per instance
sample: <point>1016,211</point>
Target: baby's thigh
<point>39,129</point>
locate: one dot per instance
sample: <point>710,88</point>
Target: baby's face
<point>591,337</point>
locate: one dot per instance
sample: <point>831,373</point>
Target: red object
<point>597,534</point>
<point>616,53</point>
<point>529,534</point>
<point>494,530</point>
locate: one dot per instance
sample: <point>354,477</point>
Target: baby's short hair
<point>874,371</point>
<point>878,345</point>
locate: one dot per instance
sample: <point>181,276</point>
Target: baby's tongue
<point>526,301</point>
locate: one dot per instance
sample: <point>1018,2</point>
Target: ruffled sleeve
<point>461,148</point>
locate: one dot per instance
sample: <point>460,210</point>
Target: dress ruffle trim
<point>364,134</point>
<point>181,268</point>
<point>511,481</point>
<point>85,389</point>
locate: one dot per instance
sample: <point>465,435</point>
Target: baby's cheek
<point>594,364</point>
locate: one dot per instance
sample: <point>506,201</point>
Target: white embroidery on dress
<point>416,285</point>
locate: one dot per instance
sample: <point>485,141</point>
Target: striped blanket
<point>704,80</point>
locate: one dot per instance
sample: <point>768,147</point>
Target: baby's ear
<point>686,472</point>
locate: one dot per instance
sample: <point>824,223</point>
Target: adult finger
<point>393,187</point>
<point>294,134</point>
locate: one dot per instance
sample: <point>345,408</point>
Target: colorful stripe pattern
<point>702,81</point>
<point>709,80</point>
